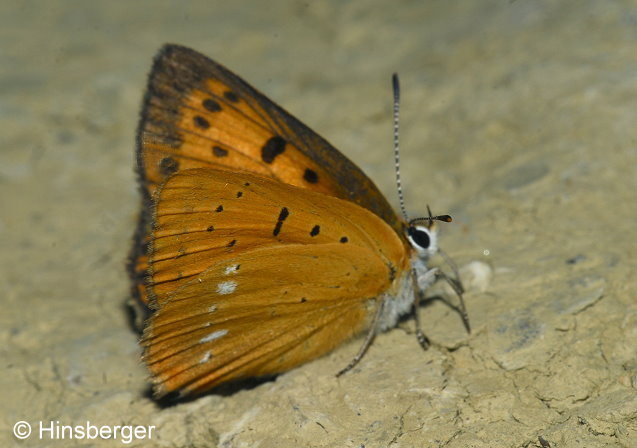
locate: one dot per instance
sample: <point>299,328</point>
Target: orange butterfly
<point>259,246</point>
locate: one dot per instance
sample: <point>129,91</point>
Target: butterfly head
<point>422,234</point>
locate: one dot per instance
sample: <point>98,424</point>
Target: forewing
<point>197,113</point>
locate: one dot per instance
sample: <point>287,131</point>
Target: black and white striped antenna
<point>399,187</point>
<point>396,89</point>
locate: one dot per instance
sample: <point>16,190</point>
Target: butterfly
<point>259,246</point>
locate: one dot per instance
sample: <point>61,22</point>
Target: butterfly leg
<point>456,284</point>
<point>459,290</point>
<point>368,339</point>
<point>454,269</point>
<point>426,279</point>
<point>432,275</point>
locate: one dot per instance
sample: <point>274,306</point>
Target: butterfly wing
<point>231,251</point>
<point>197,113</point>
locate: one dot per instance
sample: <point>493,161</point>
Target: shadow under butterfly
<point>259,246</point>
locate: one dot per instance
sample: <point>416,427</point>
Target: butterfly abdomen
<point>398,302</point>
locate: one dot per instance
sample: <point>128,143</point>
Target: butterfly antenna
<point>396,89</point>
<point>428,220</point>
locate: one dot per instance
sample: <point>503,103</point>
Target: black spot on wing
<point>310,176</point>
<point>344,239</point>
<point>282,217</point>
<point>168,166</point>
<point>272,148</point>
<point>201,122</point>
<point>315,230</point>
<point>231,96</point>
<point>219,209</point>
<point>211,105</point>
<point>219,151</point>
<point>284,214</point>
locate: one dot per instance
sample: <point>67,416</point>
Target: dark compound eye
<point>420,237</point>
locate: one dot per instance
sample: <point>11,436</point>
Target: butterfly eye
<point>420,237</point>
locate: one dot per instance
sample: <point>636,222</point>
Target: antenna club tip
<point>395,83</point>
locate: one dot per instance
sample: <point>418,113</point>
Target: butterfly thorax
<point>399,301</point>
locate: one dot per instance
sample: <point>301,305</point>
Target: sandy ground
<point>518,119</point>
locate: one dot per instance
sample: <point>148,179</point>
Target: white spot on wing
<point>212,308</point>
<point>214,335</point>
<point>232,269</point>
<point>206,357</point>
<point>226,287</point>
